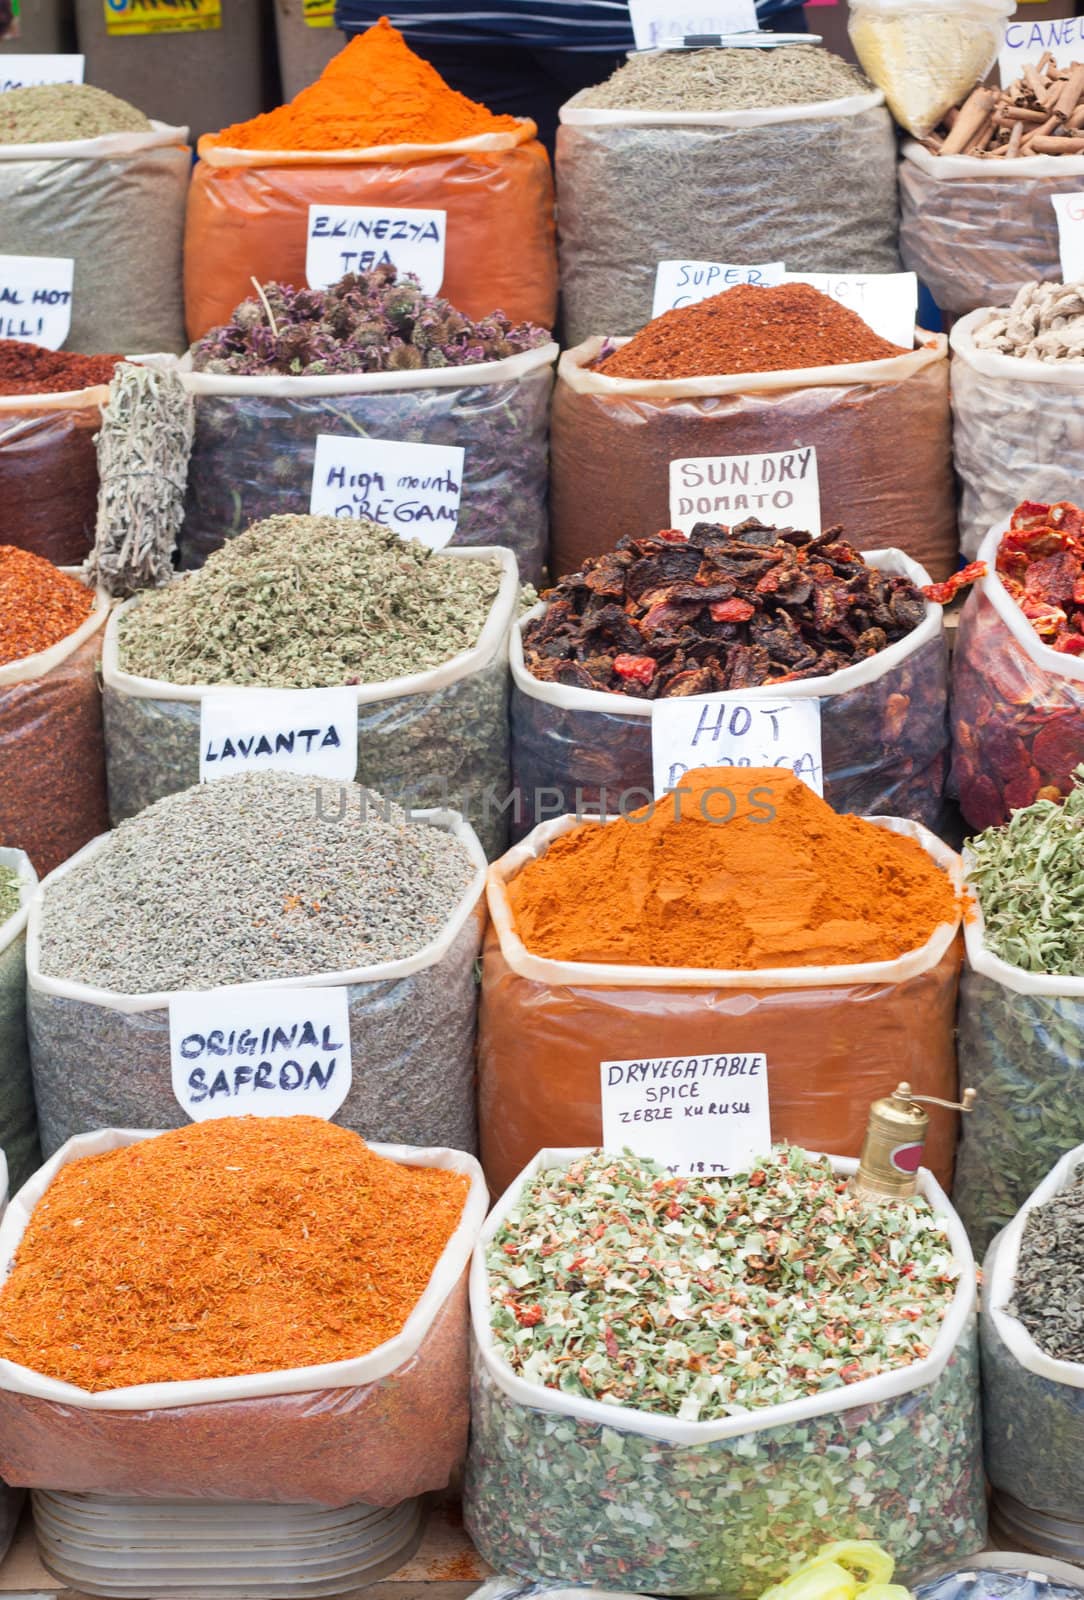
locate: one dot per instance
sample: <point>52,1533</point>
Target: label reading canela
<point>695,1115</point>
<point>684,283</point>
<point>723,730</point>
<point>344,239</point>
<point>413,488</point>
<point>780,487</point>
<point>887,302</point>
<point>658,23</point>
<point>36,299</point>
<point>161,16</point>
<point>28,72</point>
<point>1026,42</point>
<point>260,1052</point>
<point>1069,210</point>
<point>310,731</point>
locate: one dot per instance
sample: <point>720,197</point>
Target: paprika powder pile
<point>39,605</point>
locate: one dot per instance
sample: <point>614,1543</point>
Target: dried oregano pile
<point>726,80</point>
<point>1048,1295</point>
<point>702,1298</point>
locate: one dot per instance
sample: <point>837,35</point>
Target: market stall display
<point>18,1116</point>
<point>752,371</point>
<point>633,1465</point>
<point>736,611</point>
<point>925,55</point>
<point>627,941</point>
<point>726,155</point>
<point>265,878</point>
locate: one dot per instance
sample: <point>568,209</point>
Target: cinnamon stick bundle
<point>1042,113</point>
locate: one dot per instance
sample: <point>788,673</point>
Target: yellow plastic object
<point>851,1569</point>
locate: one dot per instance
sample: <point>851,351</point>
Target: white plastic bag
<point>926,55</point>
<point>100,1057</point>
<point>812,185</point>
<point>256,439</point>
<point>381,1428</point>
<point>581,1492</point>
<point>884,727</point>
<point>434,738</point>
<point>116,206</point>
<point>18,1116</point>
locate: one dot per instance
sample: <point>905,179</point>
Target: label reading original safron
<point>780,487</point>
<point>695,1115</point>
<point>309,731</point>
<point>344,239</point>
<point>161,16</point>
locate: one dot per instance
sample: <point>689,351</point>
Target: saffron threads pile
<point>39,604</point>
<point>229,1247</point>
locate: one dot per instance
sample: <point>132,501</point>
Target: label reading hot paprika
<point>36,299</point>
<point>887,302</point>
<point>703,1115</point>
<point>733,729</point>
<point>779,487</point>
<point>124,17</point>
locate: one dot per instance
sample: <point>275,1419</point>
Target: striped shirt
<point>601,25</point>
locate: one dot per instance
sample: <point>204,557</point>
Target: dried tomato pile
<point>1040,561</point>
<point>719,609</point>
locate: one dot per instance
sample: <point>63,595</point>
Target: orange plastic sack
<point>833,1045</point>
<point>248,217</point>
<point>49,473</point>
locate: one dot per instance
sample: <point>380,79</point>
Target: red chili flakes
<point>39,604</point>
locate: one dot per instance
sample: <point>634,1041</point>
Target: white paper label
<point>1027,41</point>
<point>1069,210</point>
<point>260,1052</point>
<point>656,23</point>
<point>780,488</point>
<point>310,731</point>
<point>27,72</point>
<point>684,283</point>
<point>723,730</point>
<point>696,1115</point>
<point>887,302</point>
<point>36,299</point>
<point>413,488</point>
<point>346,239</point>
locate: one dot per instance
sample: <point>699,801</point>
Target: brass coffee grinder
<point>892,1149</point>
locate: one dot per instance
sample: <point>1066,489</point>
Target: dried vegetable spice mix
<point>235,1246</point>
<point>39,605</point>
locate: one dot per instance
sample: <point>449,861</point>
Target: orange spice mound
<point>235,1246</point>
<point>786,882</point>
<point>376,91</point>
<point>39,604</point>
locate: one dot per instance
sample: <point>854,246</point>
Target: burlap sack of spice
<point>604,1494</point>
<point>612,441</point>
<point>813,185</point>
<point>256,439</point>
<point>436,736</point>
<point>101,1057</point>
<point>884,726</point>
<point>976,231</point>
<point>1017,705</point>
<point>52,747</point>
<point>248,214</point>
<point>115,205</point>
<point>49,472</point>
<point>18,1116</point>
<point>380,1429</point>
<point>1033,1405</point>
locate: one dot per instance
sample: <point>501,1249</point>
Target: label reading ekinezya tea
<point>693,1114</point>
<point>161,16</point>
<point>727,730</point>
<point>36,299</point>
<point>779,487</point>
<point>344,239</point>
<point>413,488</point>
<point>309,731</point>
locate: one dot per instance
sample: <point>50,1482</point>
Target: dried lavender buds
<point>702,1298</point>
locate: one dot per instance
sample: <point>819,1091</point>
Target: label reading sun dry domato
<point>700,1115</point>
<point>780,487</point>
<point>124,17</point>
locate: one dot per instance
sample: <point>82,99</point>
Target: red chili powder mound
<point>235,1246</point>
<point>30,369</point>
<point>39,604</point>
<point>749,329</point>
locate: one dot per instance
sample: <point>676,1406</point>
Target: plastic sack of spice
<point>11,1500</point>
<point>256,440</point>
<point>436,737</point>
<point>381,1428</point>
<point>584,1492</point>
<point>926,55</point>
<point>884,727</point>
<point>106,203</point>
<point>49,471</point>
<point>998,1575</point>
<point>1017,705</point>
<point>18,1116</point>
<point>613,439</point>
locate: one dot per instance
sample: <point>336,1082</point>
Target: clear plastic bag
<point>380,1428</point>
<point>256,438</point>
<point>49,473</point>
<point>18,1115</point>
<point>812,185</point>
<point>998,1576</point>
<point>248,215</point>
<point>1017,706</point>
<point>926,55</point>
<point>578,1492</point>
<point>115,205</point>
<point>835,1038</point>
<point>884,729</point>
<point>613,439</point>
<point>976,231</point>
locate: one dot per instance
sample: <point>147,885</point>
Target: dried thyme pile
<point>1048,1295</point>
<point>701,1298</point>
<point>9,893</point>
<point>726,80</point>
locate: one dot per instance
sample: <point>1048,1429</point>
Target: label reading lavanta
<point>161,16</point>
<point>658,23</point>
<point>28,72</point>
<point>413,488</point>
<point>36,299</point>
<point>309,731</point>
<point>1069,210</point>
<point>260,1052</point>
<point>344,239</point>
<point>723,730</point>
<point>695,1115</point>
<point>684,283</point>
<point>1026,42</point>
<point>779,487</point>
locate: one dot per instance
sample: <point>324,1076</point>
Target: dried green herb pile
<point>367,322</point>
<point>1029,878</point>
<point>54,113</point>
<point>9,893</point>
<point>726,80</point>
<point>301,602</point>
<point>701,1298</point>
<point>1048,1295</point>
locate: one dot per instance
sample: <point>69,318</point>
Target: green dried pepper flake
<point>703,1298</point>
<point>9,892</point>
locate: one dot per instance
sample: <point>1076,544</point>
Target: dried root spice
<point>1044,323</point>
<point>229,1247</point>
<point>39,605</point>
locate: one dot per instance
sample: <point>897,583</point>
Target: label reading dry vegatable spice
<point>260,1052</point>
<point>413,488</point>
<point>689,731</point>
<point>780,486</point>
<point>312,731</point>
<point>694,1115</point>
<point>351,239</point>
<point>36,299</point>
<point>683,283</point>
<point>123,17</point>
